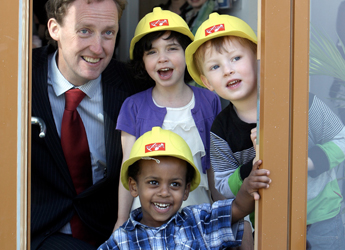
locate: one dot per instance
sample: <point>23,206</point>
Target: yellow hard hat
<point>158,20</point>
<point>216,26</point>
<point>160,142</point>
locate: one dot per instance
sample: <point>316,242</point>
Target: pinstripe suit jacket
<point>53,197</point>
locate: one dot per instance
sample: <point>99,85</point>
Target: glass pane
<point>326,132</point>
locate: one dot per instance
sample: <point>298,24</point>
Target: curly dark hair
<point>145,44</point>
<point>57,9</point>
<point>134,171</point>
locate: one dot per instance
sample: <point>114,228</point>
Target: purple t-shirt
<point>139,114</point>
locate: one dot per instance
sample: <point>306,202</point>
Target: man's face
<point>86,39</point>
<point>161,188</point>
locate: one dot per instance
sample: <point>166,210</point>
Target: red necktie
<point>77,154</point>
<point>74,142</point>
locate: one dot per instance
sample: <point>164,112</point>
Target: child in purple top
<point>157,54</point>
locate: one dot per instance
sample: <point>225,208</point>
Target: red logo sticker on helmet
<point>159,22</point>
<point>213,29</point>
<point>158,146</point>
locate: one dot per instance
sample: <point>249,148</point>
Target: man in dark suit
<point>85,33</point>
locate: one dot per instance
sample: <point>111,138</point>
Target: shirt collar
<point>179,219</point>
<point>60,83</point>
<point>134,219</point>
<point>136,215</point>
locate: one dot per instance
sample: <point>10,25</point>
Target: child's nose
<point>162,58</point>
<point>164,191</point>
<point>228,70</point>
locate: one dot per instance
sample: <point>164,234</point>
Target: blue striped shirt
<point>90,110</point>
<point>195,227</point>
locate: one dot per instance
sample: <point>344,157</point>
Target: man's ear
<point>53,28</point>
<point>206,82</point>
<point>133,187</point>
<point>186,192</point>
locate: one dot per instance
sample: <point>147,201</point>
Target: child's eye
<point>153,182</point>
<point>175,184</point>
<point>173,48</point>
<point>236,58</point>
<point>214,67</point>
<point>150,52</point>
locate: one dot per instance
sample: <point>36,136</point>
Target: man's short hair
<point>218,44</point>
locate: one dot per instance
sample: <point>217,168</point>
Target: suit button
<point>105,172</point>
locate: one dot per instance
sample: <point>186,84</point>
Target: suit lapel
<point>113,97</point>
<point>41,108</point>
<point>117,85</point>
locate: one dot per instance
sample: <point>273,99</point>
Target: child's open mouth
<point>161,206</point>
<point>233,83</point>
<point>165,73</point>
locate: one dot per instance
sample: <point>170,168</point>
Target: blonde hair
<point>218,44</point>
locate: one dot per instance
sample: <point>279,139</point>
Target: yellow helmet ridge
<point>158,20</point>
<point>160,142</point>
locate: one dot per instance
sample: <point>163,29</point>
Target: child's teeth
<point>233,82</point>
<point>161,205</point>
